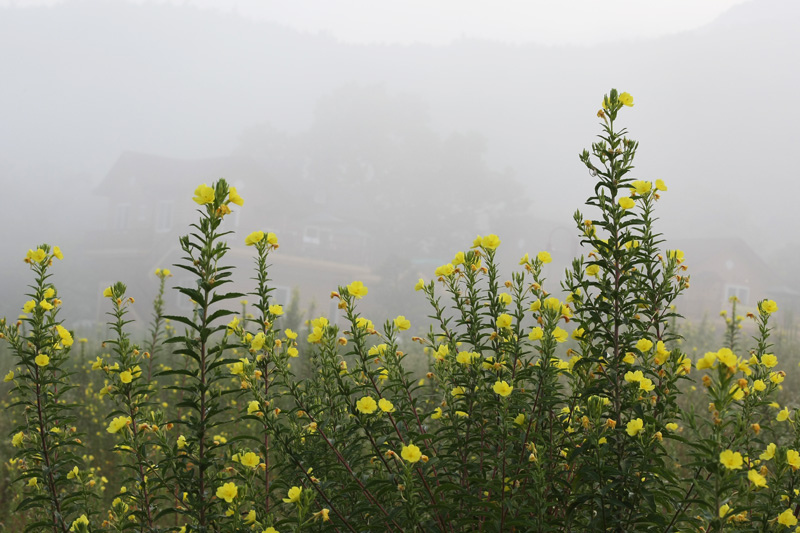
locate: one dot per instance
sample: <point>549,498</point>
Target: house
<point>148,206</point>
<point>722,268</point>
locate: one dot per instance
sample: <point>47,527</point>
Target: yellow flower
<point>519,419</point>
<point>459,258</point>
<point>437,413</point>
<point>502,388</point>
<point>504,298</point>
<point>466,358</point>
<point>181,442</point>
<point>80,521</point>
<point>118,423</point>
<point>457,392</point>
<point>108,292</point>
<point>272,239</point>
<point>490,242</point>
<point>662,353</point>
<point>759,385</point>
<point>203,194</point>
<point>125,376</point>
<point>250,459</point>
<point>66,336</point>
<point>44,304</point>
<point>644,345</point>
<point>270,530</point>
<point>366,405</point>
<point>251,517</point>
<point>385,405</point>
<point>578,333</point>
<point>324,514</point>
<point>724,510</point>
<point>402,323</point>
<point>364,323</point>
<point>8,377</point>
<point>525,259</point>
<point>357,290</point>
<point>560,335</point>
<point>445,270</point>
<point>227,492</point>
<point>756,479</point>
<point>787,518</point>
<point>536,333</point>
<point>38,256</point>
<point>504,321</point>
<point>768,306</point>
<point>420,285</point>
<point>592,270</point>
<point>769,360</point>
<point>727,358</point>
<point>49,293</point>
<point>290,334</point>
<point>660,185</point>
<point>769,453</point>
<point>234,197</point>
<point>258,341</point>
<point>544,257</point>
<point>253,407</point>
<point>536,305</point>
<point>632,377</point>
<point>641,187</point>
<point>646,384</point>
<point>57,253</point>
<point>676,254</point>
<point>793,459</point>
<point>42,360</point>
<point>707,361</point>
<point>731,460</point>
<point>625,99</point>
<point>411,453</point>
<point>626,203</point>
<point>783,415</point>
<point>672,426</point>
<point>29,306</point>
<point>16,440</point>
<point>293,495</point>
<point>292,351</point>
<point>253,238</point>
<point>634,427</point>
<point>378,350</point>
<point>276,309</point>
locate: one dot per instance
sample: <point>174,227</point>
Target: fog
<point>378,159</point>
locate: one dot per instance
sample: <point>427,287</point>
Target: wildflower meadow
<point>538,405</point>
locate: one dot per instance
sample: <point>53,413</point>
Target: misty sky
<point>502,93</point>
<point>549,22</point>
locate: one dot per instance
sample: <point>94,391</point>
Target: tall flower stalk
<point>197,471</point>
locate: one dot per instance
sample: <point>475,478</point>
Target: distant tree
<point>373,159</point>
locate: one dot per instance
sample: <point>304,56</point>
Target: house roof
<point>720,254</point>
<point>169,175</point>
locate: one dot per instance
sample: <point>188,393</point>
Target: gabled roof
<point>171,175</point>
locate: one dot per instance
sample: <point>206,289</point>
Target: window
<point>740,291</point>
<point>280,296</point>
<point>164,216</point>
<point>122,217</point>
<point>311,235</point>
